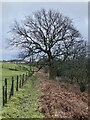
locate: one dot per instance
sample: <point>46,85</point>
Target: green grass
<point>8,70</point>
<point>24,104</point>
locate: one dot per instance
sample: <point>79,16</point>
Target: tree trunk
<point>51,68</point>
<point>51,73</point>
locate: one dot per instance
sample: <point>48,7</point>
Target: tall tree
<point>47,33</point>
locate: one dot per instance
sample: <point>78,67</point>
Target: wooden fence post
<point>17,84</point>
<point>12,86</point>
<point>23,78</point>
<point>12,89</point>
<point>3,96</point>
<point>5,90</point>
<point>20,82</point>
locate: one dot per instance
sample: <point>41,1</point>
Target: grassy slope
<point>9,70</point>
<point>25,103</point>
<point>7,73</point>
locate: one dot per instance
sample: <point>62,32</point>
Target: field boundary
<point>20,80</point>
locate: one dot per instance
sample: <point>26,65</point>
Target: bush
<point>75,70</point>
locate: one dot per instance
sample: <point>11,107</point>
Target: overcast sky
<point>77,11</point>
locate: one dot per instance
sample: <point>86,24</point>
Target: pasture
<point>10,70</point>
<point>28,95</point>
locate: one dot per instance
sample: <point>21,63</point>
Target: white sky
<point>77,11</point>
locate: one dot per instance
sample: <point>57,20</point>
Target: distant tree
<point>47,33</point>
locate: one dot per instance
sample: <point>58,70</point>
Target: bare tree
<point>47,33</point>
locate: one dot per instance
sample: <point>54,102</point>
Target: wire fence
<point>11,86</point>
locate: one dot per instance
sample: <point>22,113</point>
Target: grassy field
<point>8,70</point>
<point>24,104</point>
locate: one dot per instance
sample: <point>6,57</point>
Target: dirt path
<point>61,100</point>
